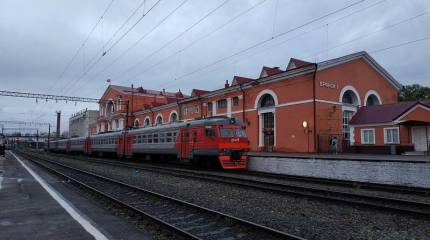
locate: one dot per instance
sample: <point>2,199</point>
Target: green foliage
<point>414,92</point>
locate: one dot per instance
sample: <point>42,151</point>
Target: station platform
<point>346,157</point>
<point>386,169</point>
<point>35,205</point>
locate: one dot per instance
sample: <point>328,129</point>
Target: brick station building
<point>298,109</point>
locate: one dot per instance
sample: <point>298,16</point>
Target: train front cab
<point>227,144</point>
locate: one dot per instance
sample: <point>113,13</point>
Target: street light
<point>306,129</point>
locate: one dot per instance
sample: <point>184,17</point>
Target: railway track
<point>185,219</point>
<point>412,190</point>
<point>416,208</point>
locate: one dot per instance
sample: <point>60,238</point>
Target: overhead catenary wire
<point>176,37</point>
<point>389,26</point>
<point>104,46</point>
<point>129,48</point>
<point>81,48</point>
<point>268,40</point>
<point>231,20</point>
<point>91,66</point>
<point>82,44</point>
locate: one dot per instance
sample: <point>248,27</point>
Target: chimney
<point>226,85</point>
<point>57,135</point>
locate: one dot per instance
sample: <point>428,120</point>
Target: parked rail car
<point>221,140</point>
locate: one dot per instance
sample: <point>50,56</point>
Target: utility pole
<point>49,137</point>
<point>127,114</point>
<point>37,139</point>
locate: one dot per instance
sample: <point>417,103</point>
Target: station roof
<point>384,113</point>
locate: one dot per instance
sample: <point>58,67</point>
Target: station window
<point>162,137</point>
<point>150,138</point>
<point>368,136</point>
<point>391,135</point>
<point>221,103</point>
<point>210,107</point>
<point>155,138</point>
<point>235,101</point>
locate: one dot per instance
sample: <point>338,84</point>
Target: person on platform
<point>333,145</point>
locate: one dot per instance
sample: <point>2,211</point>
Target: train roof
<point>192,123</point>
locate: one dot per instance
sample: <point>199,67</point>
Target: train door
<point>120,146</point>
<point>186,144</point>
<point>128,139</point>
<point>87,145</point>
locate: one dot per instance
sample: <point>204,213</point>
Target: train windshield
<point>226,132</point>
<point>240,133</point>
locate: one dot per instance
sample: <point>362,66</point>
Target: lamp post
<point>306,130</point>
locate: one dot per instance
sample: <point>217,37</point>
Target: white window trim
<point>369,93</point>
<point>398,135</point>
<point>170,116</point>
<point>144,120</point>
<point>362,135</point>
<point>157,117</point>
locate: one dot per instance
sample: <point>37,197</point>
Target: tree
<point>414,92</point>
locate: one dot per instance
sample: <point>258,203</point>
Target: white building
<point>80,122</point>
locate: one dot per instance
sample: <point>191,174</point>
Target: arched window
<point>110,108</point>
<point>349,97</point>
<point>372,100</point>
<point>119,103</point>
<point>147,122</point>
<point>159,120</point>
<point>136,123</point>
<point>173,117</point>
<point>116,124</point>
<point>267,101</point>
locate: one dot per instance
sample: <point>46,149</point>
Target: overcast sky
<point>39,38</point>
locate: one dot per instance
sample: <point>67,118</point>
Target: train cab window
<point>134,139</point>
<point>210,132</point>
<point>139,139</point>
<point>240,133</point>
<point>155,140</point>
<point>225,132</point>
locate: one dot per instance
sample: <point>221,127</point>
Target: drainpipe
<point>179,110</point>
<point>243,104</point>
<point>152,116</point>
<point>315,106</point>
<point>201,107</point>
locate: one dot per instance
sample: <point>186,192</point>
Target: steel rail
<point>388,203</point>
<point>229,218</point>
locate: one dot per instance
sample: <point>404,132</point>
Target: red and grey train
<point>218,139</point>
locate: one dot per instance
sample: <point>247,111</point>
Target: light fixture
<point>305,124</point>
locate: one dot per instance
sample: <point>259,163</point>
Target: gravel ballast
<point>309,218</point>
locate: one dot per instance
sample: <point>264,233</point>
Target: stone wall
<point>390,172</point>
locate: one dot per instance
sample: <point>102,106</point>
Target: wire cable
<point>268,40</point>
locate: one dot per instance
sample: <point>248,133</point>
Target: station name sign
<point>327,85</point>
